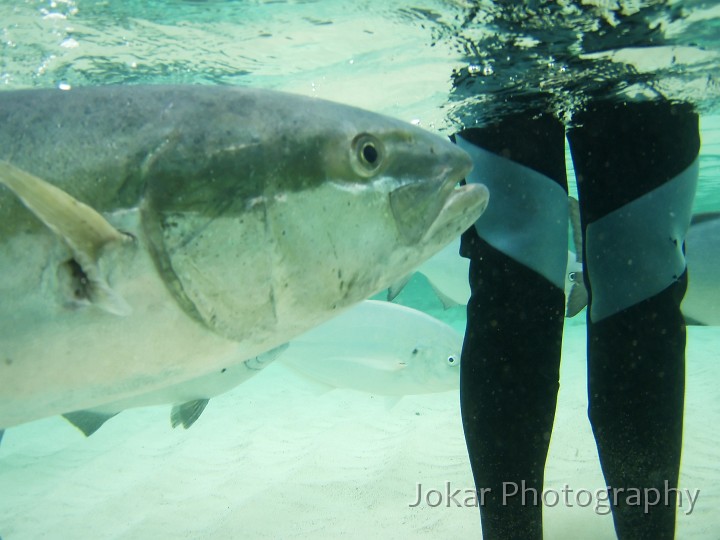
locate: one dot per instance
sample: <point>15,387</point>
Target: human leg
<point>511,353</point>
<point>636,169</point>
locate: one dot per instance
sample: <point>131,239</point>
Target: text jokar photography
<point>601,499</point>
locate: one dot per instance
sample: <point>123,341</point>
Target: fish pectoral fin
<point>577,299</point>
<point>187,413</point>
<point>88,421</point>
<point>380,363</point>
<point>85,231</point>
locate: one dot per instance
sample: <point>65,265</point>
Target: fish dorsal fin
<point>447,302</point>
<point>87,421</point>
<point>697,219</point>
<point>84,231</point>
<point>186,413</point>
<point>397,287</point>
<point>575,226</point>
<point>693,322</point>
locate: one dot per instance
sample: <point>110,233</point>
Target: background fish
<point>380,348</point>
<point>701,304</point>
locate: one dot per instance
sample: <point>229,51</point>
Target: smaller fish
<point>576,295</point>
<point>701,304</point>
<point>380,348</point>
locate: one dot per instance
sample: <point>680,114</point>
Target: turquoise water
<point>440,64</point>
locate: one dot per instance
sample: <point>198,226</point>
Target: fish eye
<point>368,154</point>
<point>572,276</point>
<point>451,360</point>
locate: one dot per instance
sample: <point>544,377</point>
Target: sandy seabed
<point>276,459</point>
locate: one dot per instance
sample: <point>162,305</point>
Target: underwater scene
<point>232,300</point>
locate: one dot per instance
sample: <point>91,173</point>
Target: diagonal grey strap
<point>636,252</point>
<point>527,217</point>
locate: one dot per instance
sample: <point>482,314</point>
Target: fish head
<point>429,348</point>
<point>433,360</point>
<point>300,211</point>
<point>390,199</point>
<point>408,174</point>
<point>576,295</point>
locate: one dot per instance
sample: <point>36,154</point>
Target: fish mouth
<point>421,208</point>
<point>462,208</point>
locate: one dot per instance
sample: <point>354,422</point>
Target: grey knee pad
<point>636,251</point>
<point>527,217</point>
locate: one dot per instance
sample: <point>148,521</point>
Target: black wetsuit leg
<point>511,353</point>
<point>636,356</point>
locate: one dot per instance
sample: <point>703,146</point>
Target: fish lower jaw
<point>462,208</point>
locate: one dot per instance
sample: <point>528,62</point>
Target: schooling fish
<point>154,234</point>
<point>380,348</point>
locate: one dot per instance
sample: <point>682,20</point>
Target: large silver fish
<point>150,235</point>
